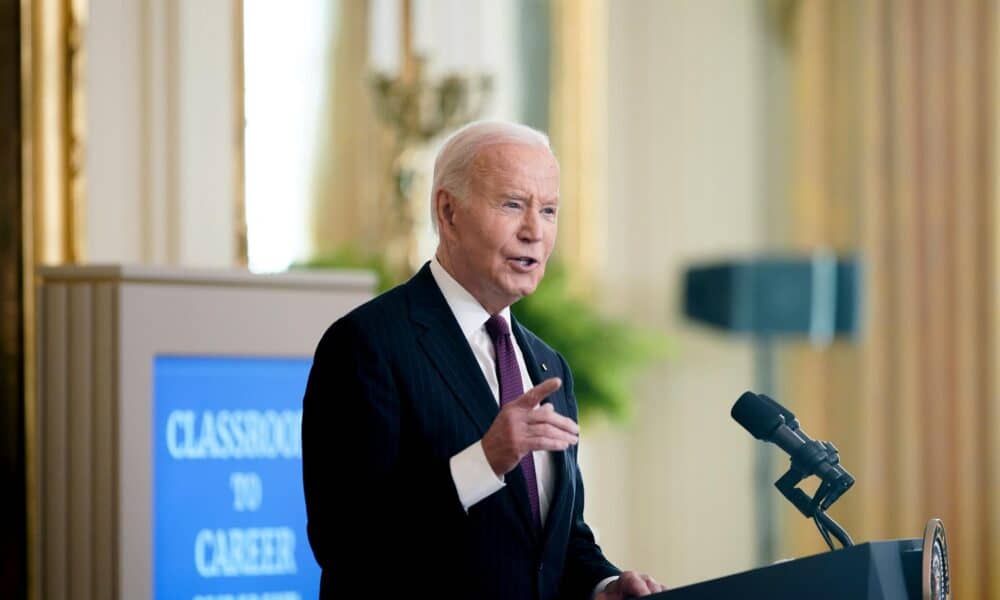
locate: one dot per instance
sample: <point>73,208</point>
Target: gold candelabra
<point>418,108</point>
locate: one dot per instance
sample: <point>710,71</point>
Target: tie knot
<point>497,327</point>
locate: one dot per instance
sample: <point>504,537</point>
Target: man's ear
<point>444,210</point>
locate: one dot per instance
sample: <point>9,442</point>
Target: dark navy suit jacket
<point>394,393</point>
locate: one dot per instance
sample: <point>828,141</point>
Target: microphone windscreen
<point>790,419</point>
<point>756,415</point>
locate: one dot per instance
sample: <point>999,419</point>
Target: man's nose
<point>531,227</point>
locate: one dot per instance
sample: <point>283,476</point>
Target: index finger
<point>535,395</point>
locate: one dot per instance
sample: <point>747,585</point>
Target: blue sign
<point>228,510</point>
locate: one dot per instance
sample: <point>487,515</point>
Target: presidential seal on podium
<point>935,573</point>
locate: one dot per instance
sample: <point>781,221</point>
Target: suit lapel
<point>534,367</point>
<point>449,351</point>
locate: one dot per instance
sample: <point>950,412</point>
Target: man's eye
<point>549,211</point>
<point>512,204</point>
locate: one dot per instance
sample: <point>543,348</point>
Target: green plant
<point>352,257</point>
<point>604,353</point>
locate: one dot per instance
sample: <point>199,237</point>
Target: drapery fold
<point>895,157</point>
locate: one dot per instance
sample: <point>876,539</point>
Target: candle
<point>422,28</point>
<point>384,48</point>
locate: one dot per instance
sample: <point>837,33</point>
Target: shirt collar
<point>469,313</point>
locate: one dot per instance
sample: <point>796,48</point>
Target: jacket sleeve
<point>354,472</point>
<point>585,565</point>
<point>350,449</point>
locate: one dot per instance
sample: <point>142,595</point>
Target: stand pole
<point>764,501</point>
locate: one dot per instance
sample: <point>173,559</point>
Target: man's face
<point>501,235</point>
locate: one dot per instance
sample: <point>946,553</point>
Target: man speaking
<point>438,435</point>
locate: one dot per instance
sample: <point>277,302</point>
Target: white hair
<point>451,167</point>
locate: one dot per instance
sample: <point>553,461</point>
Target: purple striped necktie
<point>511,388</point>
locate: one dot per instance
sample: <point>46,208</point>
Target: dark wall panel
<point>12,481</point>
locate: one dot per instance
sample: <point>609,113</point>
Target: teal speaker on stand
<point>814,297</point>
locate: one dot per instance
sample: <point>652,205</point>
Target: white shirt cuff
<point>473,476</point>
<point>601,585</point>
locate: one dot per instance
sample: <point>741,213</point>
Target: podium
<point>886,570</point>
<point>169,409</point>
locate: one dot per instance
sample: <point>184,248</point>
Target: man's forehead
<point>516,159</point>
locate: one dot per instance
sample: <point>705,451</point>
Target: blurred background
<point>277,135</point>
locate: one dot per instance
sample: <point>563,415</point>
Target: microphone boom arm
<point>805,462</point>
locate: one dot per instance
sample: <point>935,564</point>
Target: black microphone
<point>767,420</point>
<point>793,424</point>
<point>764,420</point>
<point>790,419</point>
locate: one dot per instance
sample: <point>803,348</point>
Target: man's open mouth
<point>524,261</point>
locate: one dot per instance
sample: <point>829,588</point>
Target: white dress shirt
<point>474,477</point>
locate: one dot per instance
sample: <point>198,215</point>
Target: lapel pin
<point>545,367</point>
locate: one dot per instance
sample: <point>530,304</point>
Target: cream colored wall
<point>671,494</point>
<point>114,135</point>
<point>209,117</point>
<point>162,127</point>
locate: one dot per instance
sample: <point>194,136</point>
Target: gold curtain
<point>894,150</point>
<point>578,131</point>
<point>350,197</point>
